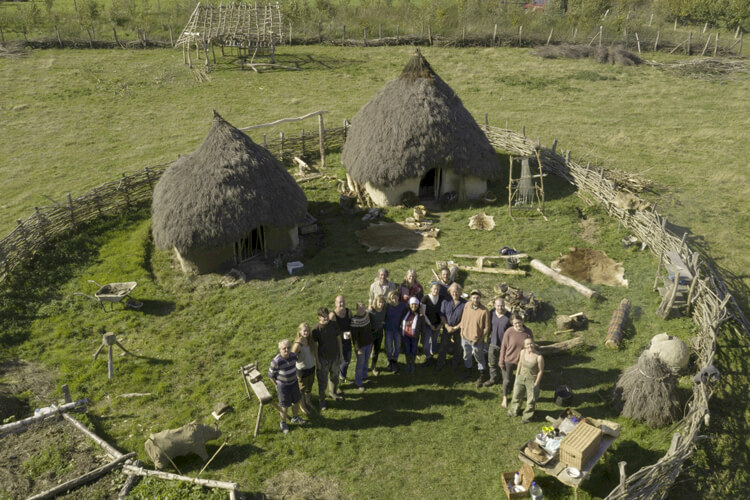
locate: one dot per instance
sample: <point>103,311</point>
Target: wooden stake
<point>494,35</point>
<point>656,42</point>
<point>322,135</point>
<point>716,43</point>
<point>88,477</point>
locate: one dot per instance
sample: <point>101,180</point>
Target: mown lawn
<point>76,119</point>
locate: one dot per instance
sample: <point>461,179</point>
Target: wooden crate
<point>527,473</point>
<point>580,445</point>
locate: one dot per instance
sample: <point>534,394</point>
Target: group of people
<point>402,316</point>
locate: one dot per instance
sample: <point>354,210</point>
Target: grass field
<point>76,119</point>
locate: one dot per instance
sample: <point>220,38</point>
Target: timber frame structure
<point>250,29</point>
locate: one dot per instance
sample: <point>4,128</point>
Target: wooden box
<point>580,445</point>
<point>527,473</point>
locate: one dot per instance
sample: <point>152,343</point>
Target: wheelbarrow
<point>114,292</point>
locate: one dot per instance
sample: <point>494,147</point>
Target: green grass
<point>77,119</point>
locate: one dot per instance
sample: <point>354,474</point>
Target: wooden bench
<point>252,379</point>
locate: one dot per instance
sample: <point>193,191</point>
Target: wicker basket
<point>580,445</point>
<point>527,473</point>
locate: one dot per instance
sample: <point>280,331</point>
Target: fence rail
<point>711,305</point>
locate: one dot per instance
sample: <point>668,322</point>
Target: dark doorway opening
<point>428,186</point>
<point>249,247</point>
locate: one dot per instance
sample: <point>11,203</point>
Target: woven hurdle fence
<point>710,304</point>
<point>128,193</point>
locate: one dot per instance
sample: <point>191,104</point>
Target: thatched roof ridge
<point>414,123</point>
<point>222,191</point>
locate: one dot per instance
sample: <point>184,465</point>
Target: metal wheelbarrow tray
<point>114,292</point>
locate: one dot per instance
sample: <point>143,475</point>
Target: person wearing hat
<point>450,315</point>
<point>412,326</point>
<point>475,329</point>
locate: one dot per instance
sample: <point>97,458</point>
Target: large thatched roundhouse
<point>227,201</point>
<point>416,135</point>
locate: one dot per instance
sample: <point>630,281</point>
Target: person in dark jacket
<point>362,342</point>
<point>412,326</point>
<point>431,307</point>
<point>394,313</point>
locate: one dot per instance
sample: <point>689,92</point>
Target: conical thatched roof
<point>222,191</point>
<point>416,122</point>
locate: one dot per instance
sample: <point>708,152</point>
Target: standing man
<point>510,351</point>
<point>381,286</point>
<point>475,330</point>
<point>343,318</point>
<point>500,323</point>
<point>450,314</point>
<point>328,356</point>
<point>445,282</point>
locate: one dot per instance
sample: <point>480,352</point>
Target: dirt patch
<point>593,266</point>
<point>589,230</point>
<point>394,237</point>
<point>24,385</point>
<point>47,454</point>
<point>292,485</point>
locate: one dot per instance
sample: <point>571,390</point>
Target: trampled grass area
<point>418,431</point>
<point>75,119</point>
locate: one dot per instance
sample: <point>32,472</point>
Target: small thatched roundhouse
<point>416,135</point>
<point>227,201</point>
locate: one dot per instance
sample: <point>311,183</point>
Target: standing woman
<point>510,350</point>
<point>304,347</point>
<point>528,378</point>
<point>394,313</point>
<point>410,287</point>
<point>412,327</point>
<point>377,321</point>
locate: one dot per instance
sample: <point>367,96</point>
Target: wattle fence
<point>712,307</point>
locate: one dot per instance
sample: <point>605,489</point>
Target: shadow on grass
<point>157,307</point>
<point>37,281</point>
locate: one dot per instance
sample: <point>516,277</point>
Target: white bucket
<point>293,267</point>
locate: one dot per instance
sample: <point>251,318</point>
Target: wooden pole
<point>656,42</point>
<point>658,270</point>
<point>563,280</point>
<point>140,471</point>
<point>15,426</point>
<point>638,42</point>
<point>494,35</point>
<point>108,448</point>
<point>322,135</point>
<point>560,347</point>
<point>550,36</point>
<point>716,43</point>
<point>86,478</point>
<point>705,47</point>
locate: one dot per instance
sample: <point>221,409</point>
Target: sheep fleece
<point>190,438</point>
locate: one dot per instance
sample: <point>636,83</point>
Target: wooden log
<point>493,270</point>
<point>614,332</point>
<point>86,478</point>
<point>108,448</point>
<point>129,483</point>
<point>560,347</point>
<point>211,483</point>
<point>15,426</point>
<point>563,280</point>
<point>465,256</point>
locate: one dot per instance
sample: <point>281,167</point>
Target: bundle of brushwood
<point>647,391</point>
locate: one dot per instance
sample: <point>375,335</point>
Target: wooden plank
<point>493,270</point>
<point>518,255</point>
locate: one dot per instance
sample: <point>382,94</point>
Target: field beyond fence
<point>114,23</point>
<point>713,309</point>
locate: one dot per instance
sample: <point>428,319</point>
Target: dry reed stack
<point>647,391</point>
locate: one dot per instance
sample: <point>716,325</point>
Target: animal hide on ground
<point>395,237</point>
<point>190,438</point>
<point>482,221</point>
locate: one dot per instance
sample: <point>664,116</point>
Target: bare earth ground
<point>47,453</point>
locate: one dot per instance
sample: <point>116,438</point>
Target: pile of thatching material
<point>647,391</point>
<point>612,55</point>
<point>14,49</point>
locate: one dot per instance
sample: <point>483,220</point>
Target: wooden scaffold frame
<point>532,179</point>
<point>247,30</point>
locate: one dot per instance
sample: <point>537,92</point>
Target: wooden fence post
<point>689,48</point>
<point>429,34</point>
<point>343,36</point>
<point>281,146</point>
<point>303,143</point>
<point>398,27</point>
<point>72,211</point>
<point>364,36</point>
<point>494,35</point>
<point>550,36</point>
<point>322,134</point>
<point>125,191</point>
<point>656,42</point>
<point>601,28</point>
<point>716,43</point>
<point>520,33</point>
<point>148,178</point>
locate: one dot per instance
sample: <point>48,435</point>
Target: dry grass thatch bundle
<point>612,55</point>
<point>647,391</point>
